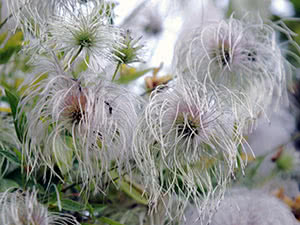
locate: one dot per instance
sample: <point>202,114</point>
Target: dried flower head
<point>87,34</point>
<point>111,121</point>
<point>71,27</point>
<point>74,124</point>
<point>32,16</point>
<point>187,143</point>
<point>23,208</point>
<point>57,107</point>
<point>238,54</point>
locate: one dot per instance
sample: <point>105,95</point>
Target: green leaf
<point>109,221</point>
<point>6,184</point>
<point>130,189</point>
<point>19,120</point>
<point>64,158</point>
<point>5,54</point>
<point>18,154</point>
<point>10,156</point>
<point>13,45</point>
<point>132,192</point>
<point>132,75</point>
<point>70,205</point>
<point>98,208</point>
<point>80,67</point>
<point>17,176</point>
<point>2,37</point>
<point>13,101</point>
<point>20,124</point>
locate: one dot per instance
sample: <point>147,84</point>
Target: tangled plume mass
<point>149,112</point>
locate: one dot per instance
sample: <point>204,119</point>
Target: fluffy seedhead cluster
<point>241,55</point>
<point>189,143</point>
<point>33,16</point>
<point>90,126</point>
<point>86,33</point>
<point>72,29</point>
<point>186,142</point>
<point>23,208</point>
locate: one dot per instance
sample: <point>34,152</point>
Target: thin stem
<point>230,9</point>
<point>116,71</point>
<point>10,16</point>
<point>73,59</point>
<point>71,186</point>
<point>6,19</point>
<point>4,22</point>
